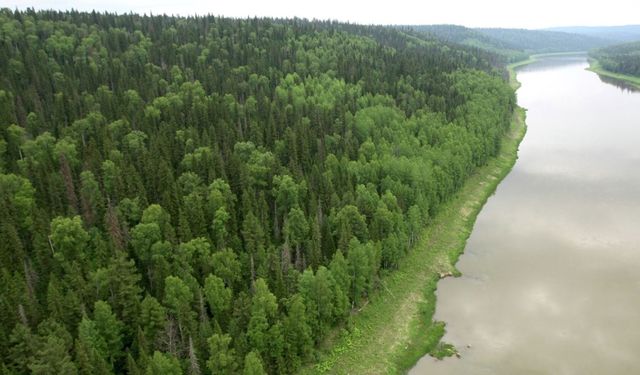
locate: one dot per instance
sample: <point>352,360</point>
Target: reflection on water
<point>623,85</point>
<point>551,272</point>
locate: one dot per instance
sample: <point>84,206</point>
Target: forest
<point>545,41</point>
<point>474,38</point>
<point>514,45</point>
<point>205,195</point>
<point>620,58</point>
<point>614,34</point>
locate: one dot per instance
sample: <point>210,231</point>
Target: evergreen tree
<point>175,189</point>
<point>222,358</point>
<point>161,363</point>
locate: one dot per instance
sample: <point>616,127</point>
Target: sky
<point>479,13</point>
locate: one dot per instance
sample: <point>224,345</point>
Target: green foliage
<point>318,292</point>
<point>297,333</point>
<point>221,358</point>
<point>69,239</point>
<point>178,298</point>
<point>217,294</point>
<point>253,364</point>
<point>152,317</point>
<point>474,38</point>
<point>545,41</point>
<point>443,350</point>
<point>22,344</point>
<point>18,201</point>
<point>620,58</point>
<point>110,329</point>
<point>162,363</point>
<point>52,357</point>
<point>263,313</point>
<point>89,336</point>
<point>220,191</point>
<point>359,259</point>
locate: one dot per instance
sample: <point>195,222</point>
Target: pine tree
<point>222,358</point>
<point>297,334</point>
<point>110,329</point>
<point>52,357</point>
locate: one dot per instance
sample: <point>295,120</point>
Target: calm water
<point>551,272</point>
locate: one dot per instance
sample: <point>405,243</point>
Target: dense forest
<point>615,34</point>
<point>474,38</point>
<point>621,58</point>
<point>513,45</point>
<point>545,41</point>
<point>212,196</point>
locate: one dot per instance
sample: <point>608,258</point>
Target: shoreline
<point>396,328</point>
<point>594,66</point>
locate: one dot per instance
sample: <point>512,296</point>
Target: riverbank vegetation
<point>396,329</point>
<point>209,195</point>
<point>621,61</point>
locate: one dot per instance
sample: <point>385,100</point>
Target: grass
<point>396,327</point>
<point>595,67</point>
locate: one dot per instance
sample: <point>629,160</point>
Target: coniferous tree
<point>179,194</point>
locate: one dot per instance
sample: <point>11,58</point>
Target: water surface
<point>551,272</point>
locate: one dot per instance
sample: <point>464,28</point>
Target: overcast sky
<point>472,13</point>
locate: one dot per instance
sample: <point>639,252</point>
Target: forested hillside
<point>212,196</point>
<point>473,38</point>
<point>513,44</point>
<point>544,41</point>
<point>621,58</point>
<point>620,34</point>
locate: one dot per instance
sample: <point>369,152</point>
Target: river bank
<point>550,268</point>
<point>595,67</point>
<point>395,328</point>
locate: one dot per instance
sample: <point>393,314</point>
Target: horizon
<point>489,14</point>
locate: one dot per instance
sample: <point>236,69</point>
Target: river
<point>551,272</point>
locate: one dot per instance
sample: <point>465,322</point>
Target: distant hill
<point>621,34</point>
<point>474,38</point>
<point>462,35</point>
<point>545,41</point>
<point>514,44</point>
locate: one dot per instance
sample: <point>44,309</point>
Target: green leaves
<point>253,364</point>
<point>319,295</point>
<point>296,228</point>
<point>349,223</point>
<point>162,363</point>
<point>178,298</point>
<point>222,359</point>
<point>216,167</point>
<point>69,239</point>
<point>52,358</point>
<point>17,199</point>
<point>110,330</point>
<point>263,313</point>
<point>217,294</point>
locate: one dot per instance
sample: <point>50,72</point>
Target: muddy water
<point>551,272</point>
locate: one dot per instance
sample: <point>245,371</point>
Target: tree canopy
<point>208,195</point>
